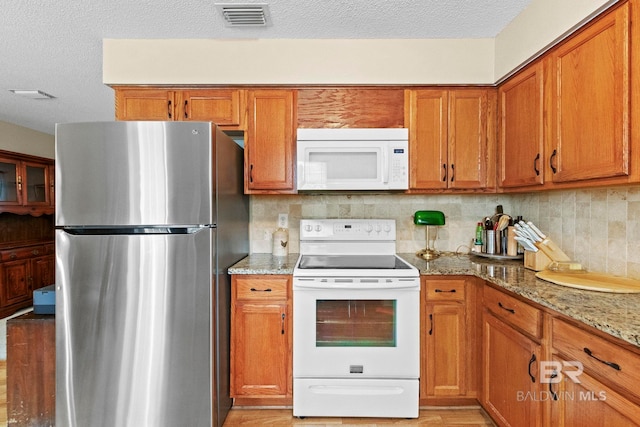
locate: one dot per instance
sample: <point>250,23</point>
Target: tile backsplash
<point>599,228</point>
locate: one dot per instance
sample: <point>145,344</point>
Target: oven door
<point>356,333</point>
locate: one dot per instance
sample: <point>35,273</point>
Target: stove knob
<point>318,227</point>
<point>377,228</point>
<point>387,228</point>
<point>308,227</point>
<point>368,228</point>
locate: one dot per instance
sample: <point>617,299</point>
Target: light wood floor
<point>458,417</point>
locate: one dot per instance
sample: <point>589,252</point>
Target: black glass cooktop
<point>323,262</point>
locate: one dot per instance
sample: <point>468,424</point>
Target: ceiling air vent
<point>244,15</point>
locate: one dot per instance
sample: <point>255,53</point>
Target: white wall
<point>27,141</point>
<point>538,27</point>
<point>282,61</point>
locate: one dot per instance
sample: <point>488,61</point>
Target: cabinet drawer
<point>22,252</point>
<point>513,311</point>
<point>445,290</point>
<point>608,362</point>
<point>261,288</point>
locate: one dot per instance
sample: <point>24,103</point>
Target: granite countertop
<point>615,314</point>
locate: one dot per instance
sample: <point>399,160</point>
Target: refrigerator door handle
<point>97,231</point>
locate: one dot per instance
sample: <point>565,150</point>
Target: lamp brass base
<point>428,254</point>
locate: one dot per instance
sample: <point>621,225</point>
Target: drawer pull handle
<point>13,256</point>
<point>431,324</point>
<point>533,359</point>
<point>260,290</point>
<point>451,290</point>
<point>282,324</point>
<point>510,310</point>
<point>554,395</point>
<point>611,364</point>
<point>444,171</point>
<point>535,165</point>
<point>35,252</point>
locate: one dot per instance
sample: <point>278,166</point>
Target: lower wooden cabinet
<point>261,337</point>
<point>587,402</point>
<point>449,347</point>
<point>510,366</point>
<point>23,269</point>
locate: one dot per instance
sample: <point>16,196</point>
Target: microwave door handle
<point>385,166</point>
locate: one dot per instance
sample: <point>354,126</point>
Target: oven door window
<point>356,323</point>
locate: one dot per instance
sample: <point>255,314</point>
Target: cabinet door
<point>468,140</point>
<point>16,284</point>
<point>591,91</point>
<point>586,402</point>
<point>427,120</point>
<point>145,104</point>
<point>52,186</point>
<point>260,343</point>
<point>220,106</point>
<point>510,375</point>
<point>43,271</point>
<point>35,184</point>
<point>521,131</point>
<point>445,350</point>
<point>269,143</point>
<point>10,182</point>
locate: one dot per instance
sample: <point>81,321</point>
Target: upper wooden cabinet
<point>270,141</point>
<point>522,128</point>
<point>224,107</point>
<point>451,138</point>
<point>26,184</point>
<point>591,90</point>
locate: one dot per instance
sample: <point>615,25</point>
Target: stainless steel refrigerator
<point>149,216</point>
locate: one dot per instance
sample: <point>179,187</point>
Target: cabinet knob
<point>35,252</point>
<point>13,255</point>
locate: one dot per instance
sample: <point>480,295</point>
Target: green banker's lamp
<point>430,219</point>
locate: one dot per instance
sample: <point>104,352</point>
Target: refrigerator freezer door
<point>133,329</point>
<point>133,173</point>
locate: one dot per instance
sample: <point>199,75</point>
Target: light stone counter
<point>615,314</point>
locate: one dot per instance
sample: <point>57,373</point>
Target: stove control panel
<point>347,229</point>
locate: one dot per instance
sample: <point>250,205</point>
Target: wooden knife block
<point>536,261</point>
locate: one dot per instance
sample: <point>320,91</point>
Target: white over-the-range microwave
<point>353,159</point>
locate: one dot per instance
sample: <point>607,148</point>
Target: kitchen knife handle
<point>535,164</point>
<point>533,359</point>
<point>510,310</point>
<point>444,172</point>
<point>611,364</point>
<point>551,159</point>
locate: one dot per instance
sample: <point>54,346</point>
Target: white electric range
<point>356,322</point>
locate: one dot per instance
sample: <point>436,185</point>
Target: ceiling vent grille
<point>245,15</point>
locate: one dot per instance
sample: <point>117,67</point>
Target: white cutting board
<point>591,281</point>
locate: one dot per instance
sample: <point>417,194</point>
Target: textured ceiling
<point>56,45</point>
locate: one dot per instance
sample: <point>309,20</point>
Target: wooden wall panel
<point>351,108</point>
